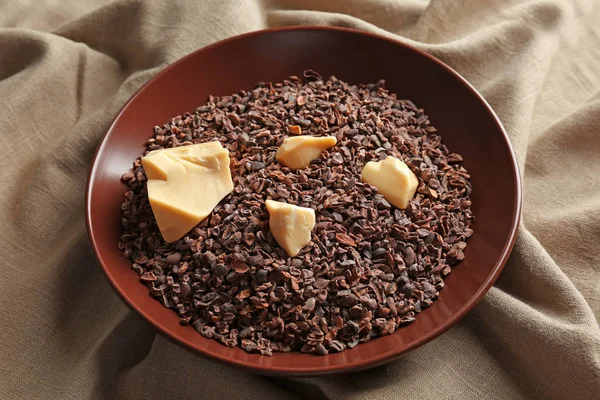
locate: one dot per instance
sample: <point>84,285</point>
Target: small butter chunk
<point>297,152</point>
<point>393,179</point>
<point>185,184</point>
<point>290,225</point>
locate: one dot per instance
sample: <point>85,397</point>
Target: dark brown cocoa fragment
<point>345,239</point>
<point>148,277</point>
<point>174,258</point>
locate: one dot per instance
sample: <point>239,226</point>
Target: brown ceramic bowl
<point>466,122</point>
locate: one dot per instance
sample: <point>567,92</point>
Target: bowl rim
<point>325,369</point>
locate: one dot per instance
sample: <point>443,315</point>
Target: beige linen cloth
<point>66,67</point>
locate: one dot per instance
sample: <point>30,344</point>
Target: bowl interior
<point>466,123</point>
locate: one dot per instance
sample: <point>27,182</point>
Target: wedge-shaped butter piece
<point>185,184</point>
<point>290,225</point>
<point>298,151</point>
<point>393,179</point>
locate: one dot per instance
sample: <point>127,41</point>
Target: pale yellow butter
<point>393,179</point>
<point>297,152</point>
<point>290,225</point>
<point>185,184</point>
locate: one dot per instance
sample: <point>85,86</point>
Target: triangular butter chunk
<point>185,184</point>
<point>290,225</point>
<point>298,151</point>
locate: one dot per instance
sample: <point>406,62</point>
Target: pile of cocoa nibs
<point>370,267</point>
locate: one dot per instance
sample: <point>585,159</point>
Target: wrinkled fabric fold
<point>67,67</point>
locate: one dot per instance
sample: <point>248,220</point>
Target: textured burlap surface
<point>66,67</point>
